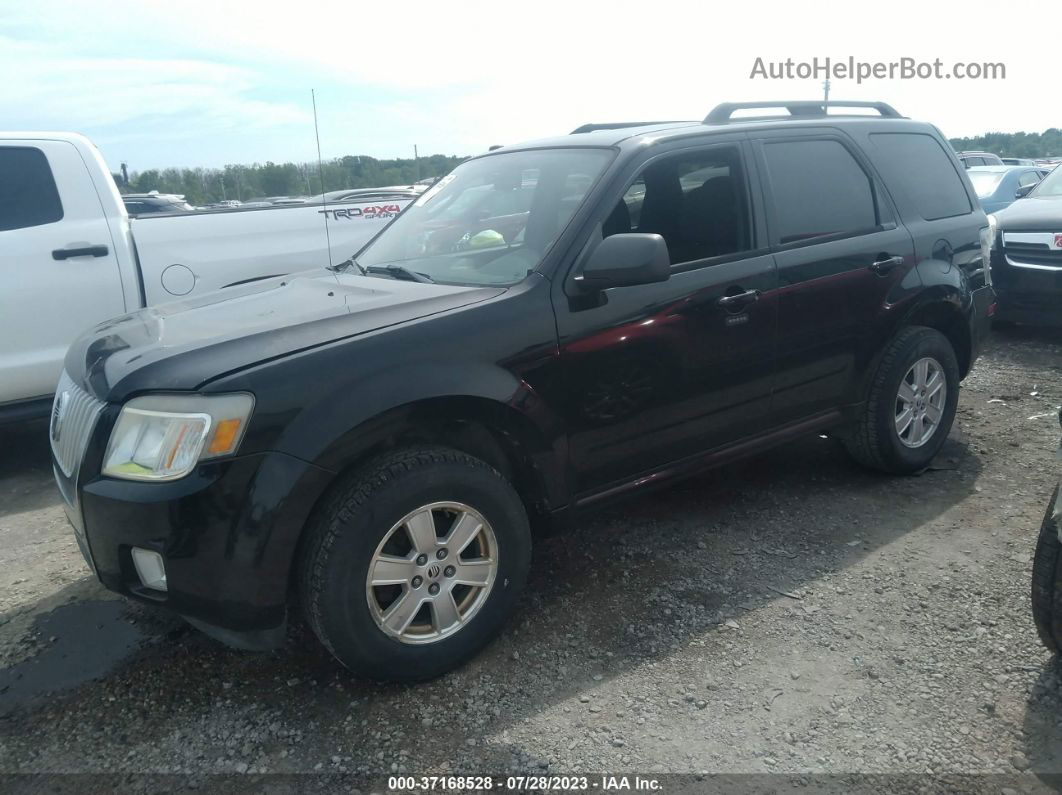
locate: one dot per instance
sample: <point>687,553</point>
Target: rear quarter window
<point>920,167</point>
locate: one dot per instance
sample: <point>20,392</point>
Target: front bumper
<point>1031,307</point>
<point>1028,294</point>
<point>227,533</point>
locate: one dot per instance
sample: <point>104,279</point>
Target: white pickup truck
<point>71,257</point>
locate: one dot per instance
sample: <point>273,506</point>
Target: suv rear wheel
<point>415,563</point>
<point>1047,580</point>
<point>911,403</point>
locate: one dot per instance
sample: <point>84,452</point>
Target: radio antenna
<point>320,171</point>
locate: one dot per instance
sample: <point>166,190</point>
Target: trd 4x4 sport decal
<point>379,211</point>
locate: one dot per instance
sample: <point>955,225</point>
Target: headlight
<point>988,245</point>
<point>163,437</point>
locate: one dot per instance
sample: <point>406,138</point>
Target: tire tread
<point>1047,583</point>
<point>864,442</point>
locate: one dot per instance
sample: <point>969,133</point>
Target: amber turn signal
<point>225,436</point>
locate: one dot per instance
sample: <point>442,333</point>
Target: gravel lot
<point>790,614</point>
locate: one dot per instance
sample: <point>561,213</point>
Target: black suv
<point>549,326</point>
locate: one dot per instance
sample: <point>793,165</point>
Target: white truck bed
<point>183,253</point>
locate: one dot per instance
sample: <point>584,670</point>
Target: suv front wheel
<point>910,405</point>
<point>415,563</point>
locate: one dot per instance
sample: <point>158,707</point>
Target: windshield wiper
<point>399,272</point>
<point>342,266</point>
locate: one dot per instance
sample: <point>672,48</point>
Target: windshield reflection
<point>491,220</point>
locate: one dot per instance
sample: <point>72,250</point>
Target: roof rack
<point>803,109</point>
<point>619,125</point>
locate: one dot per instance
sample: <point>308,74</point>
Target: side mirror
<point>1024,190</point>
<point>626,260</point>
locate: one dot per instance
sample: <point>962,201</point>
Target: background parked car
<point>1027,256</point>
<point>1018,161</point>
<point>387,193</point>
<point>998,186</point>
<point>155,202</point>
<point>971,159</point>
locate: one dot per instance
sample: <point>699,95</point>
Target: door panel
<point>655,373</point>
<point>830,301</point>
<point>840,256</point>
<point>49,301</point>
<point>661,372</point>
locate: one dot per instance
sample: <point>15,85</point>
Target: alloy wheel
<point>432,572</point>
<point>920,402</point>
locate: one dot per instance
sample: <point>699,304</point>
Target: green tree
<point>1020,144</point>
<point>257,180</point>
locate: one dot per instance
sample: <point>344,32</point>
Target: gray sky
<point>207,83</point>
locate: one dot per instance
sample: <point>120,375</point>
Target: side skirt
<point>713,458</point>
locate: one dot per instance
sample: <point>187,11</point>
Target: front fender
<point>496,355</point>
<point>328,434</point>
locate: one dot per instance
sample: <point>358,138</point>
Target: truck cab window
<point>28,196</point>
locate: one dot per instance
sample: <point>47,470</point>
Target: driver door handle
<point>883,266</point>
<point>83,251</point>
<point>741,299</point>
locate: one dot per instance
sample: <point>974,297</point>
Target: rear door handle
<point>84,251</point>
<point>739,300</point>
<point>883,266</point>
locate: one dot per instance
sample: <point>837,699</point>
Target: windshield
<point>492,219</point>
<point>985,182</point>
<point>1050,186</point>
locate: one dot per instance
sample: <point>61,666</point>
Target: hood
<point>1032,215</point>
<point>181,345</point>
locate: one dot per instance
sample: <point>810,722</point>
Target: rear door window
<point>28,196</point>
<point>819,190</point>
<point>922,169</point>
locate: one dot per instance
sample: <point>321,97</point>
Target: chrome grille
<point>74,415</point>
<point>1035,250</point>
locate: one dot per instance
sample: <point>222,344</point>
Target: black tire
<point>1047,581</point>
<point>874,441</point>
<point>345,535</point>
